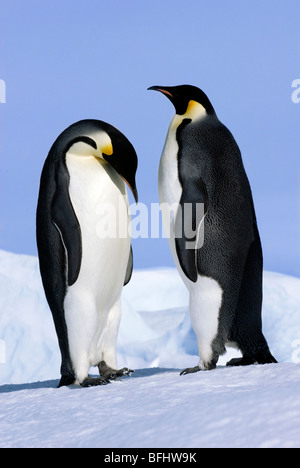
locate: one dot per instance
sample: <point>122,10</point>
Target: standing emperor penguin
<point>201,166</point>
<point>82,269</point>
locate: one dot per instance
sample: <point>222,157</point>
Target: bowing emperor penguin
<point>83,271</point>
<point>217,248</point>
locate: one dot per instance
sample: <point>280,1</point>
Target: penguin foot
<point>244,361</point>
<point>248,361</point>
<point>94,382</point>
<point>112,374</point>
<point>124,371</point>
<point>190,370</point>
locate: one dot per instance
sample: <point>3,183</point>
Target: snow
<point>256,406</point>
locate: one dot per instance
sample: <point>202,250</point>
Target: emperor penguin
<point>213,231</point>
<point>84,262</point>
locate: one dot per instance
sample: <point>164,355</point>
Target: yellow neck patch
<point>107,149</point>
<point>194,112</point>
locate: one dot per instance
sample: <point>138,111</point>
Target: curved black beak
<point>163,89</point>
<point>134,193</point>
<point>132,187</point>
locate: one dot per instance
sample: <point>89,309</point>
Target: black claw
<point>190,370</point>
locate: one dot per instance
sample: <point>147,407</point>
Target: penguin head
<point>122,157</point>
<point>104,142</point>
<point>189,101</point>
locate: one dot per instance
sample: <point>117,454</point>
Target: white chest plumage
<point>170,189</point>
<point>99,198</point>
<point>169,186</point>
<point>100,201</point>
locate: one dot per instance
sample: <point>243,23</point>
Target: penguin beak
<point>133,190</point>
<point>167,91</point>
<point>162,90</point>
<point>135,194</point>
<point>127,176</point>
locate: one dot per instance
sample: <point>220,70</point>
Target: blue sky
<point>67,60</point>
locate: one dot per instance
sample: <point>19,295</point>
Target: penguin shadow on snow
<point>10,388</point>
<point>138,373</point>
<point>149,372</point>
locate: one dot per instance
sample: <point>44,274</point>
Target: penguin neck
<point>194,112</point>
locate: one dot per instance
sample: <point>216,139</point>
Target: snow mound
<point>257,406</point>
<point>155,329</point>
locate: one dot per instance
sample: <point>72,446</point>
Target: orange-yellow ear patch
<point>194,110</point>
<point>107,149</point>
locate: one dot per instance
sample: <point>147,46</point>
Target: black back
<point>211,171</point>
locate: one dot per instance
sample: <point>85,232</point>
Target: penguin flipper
<point>66,222</point>
<point>129,267</point>
<point>190,215</point>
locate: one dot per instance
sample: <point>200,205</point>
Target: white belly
<point>206,293</point>
<point>99,198</point>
